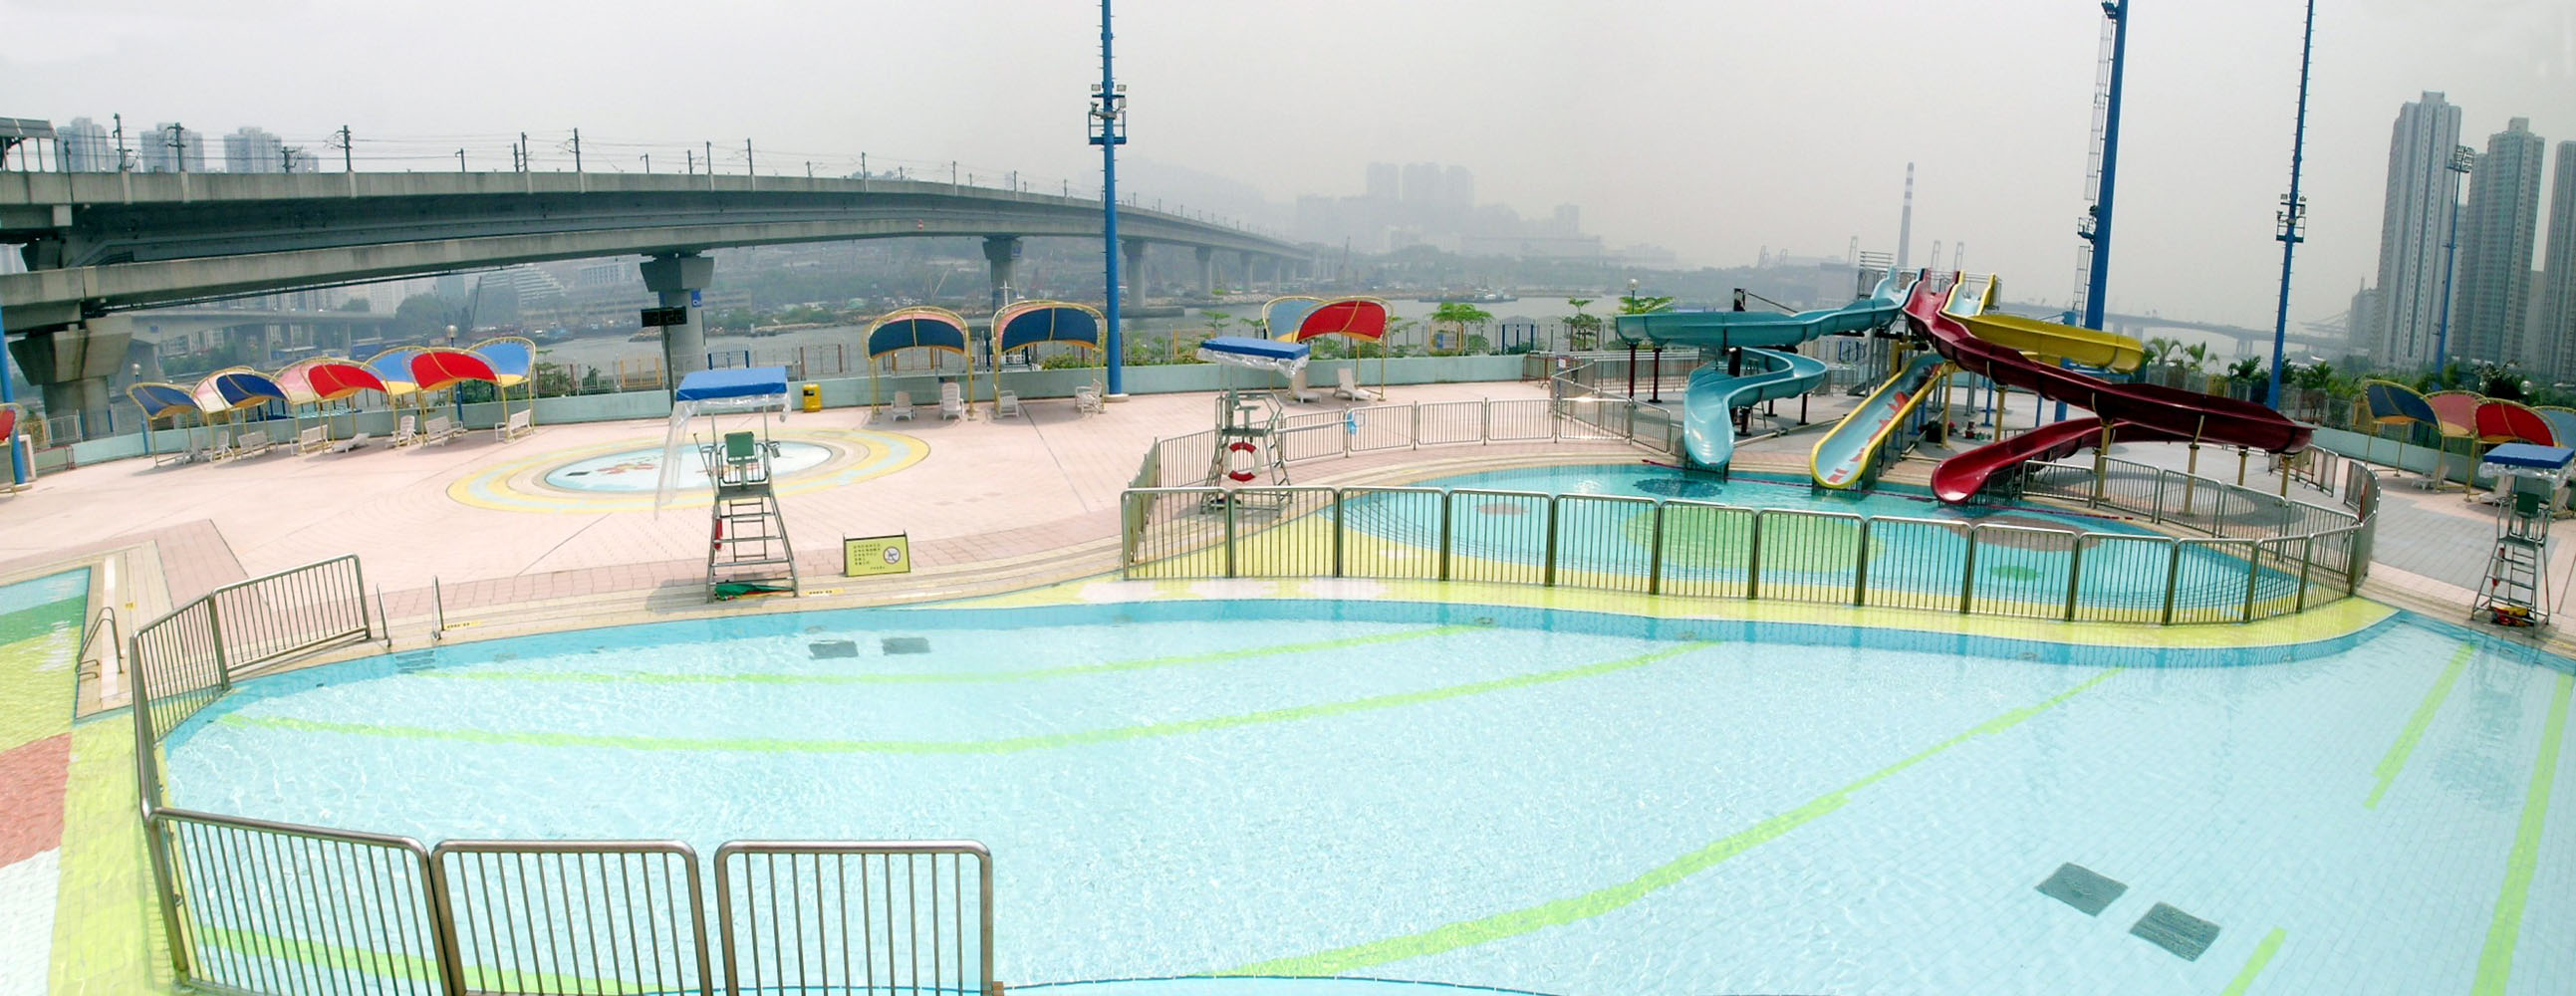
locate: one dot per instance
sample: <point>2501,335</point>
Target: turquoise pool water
<point>1551,801</point>
<point>1926,561</point>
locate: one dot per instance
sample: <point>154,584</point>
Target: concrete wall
<point>845,393</point>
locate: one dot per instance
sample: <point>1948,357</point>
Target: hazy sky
<point>1714,128</point>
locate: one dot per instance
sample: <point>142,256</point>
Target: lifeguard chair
<point>2530,480</point>
<point>748,552</point>
<point>1248,445</point>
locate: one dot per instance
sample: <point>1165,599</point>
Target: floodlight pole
<point>1109,131</point>
<point>2118,12</point>
<point>2294,209</point>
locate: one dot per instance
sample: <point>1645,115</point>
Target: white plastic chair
<point>1006,404</point>
<point>1298,391</point>
<point>901,409</point>
<point>407,430</point>
<point>1086,399</point>
<point>952,401</point>
<point>1347,386</point>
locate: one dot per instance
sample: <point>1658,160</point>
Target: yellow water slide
<point>2051,342</point>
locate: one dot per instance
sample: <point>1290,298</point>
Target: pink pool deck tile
<point>31,794</point>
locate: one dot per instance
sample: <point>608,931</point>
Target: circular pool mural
<point>634,471</point>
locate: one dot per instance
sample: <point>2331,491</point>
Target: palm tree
<point>1581,329</point>
<point>1459,315</point>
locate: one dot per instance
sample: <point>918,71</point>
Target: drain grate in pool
<point>907,644</point>
<point>828,649</point>
<point>2083,888</point>
<point>416,660</point>
<point>2174,930</point>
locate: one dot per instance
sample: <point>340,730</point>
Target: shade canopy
<point>440,367</point>
<point>2527,456</point>
<point>2562,421</point>
<point>920,327</point>
<point>235,389</point>
<point>162,400</point>
<point>2390,403</point>
<point>1029,323</point>
<point>393,368</point>
<point>732,384</point>
<point>8,421</point>
<point>329,378</point>
<point>1355,317</point>
<point>2455,411</point>
<point>1282,315</point>
<point>2501,421</point>
<point>512,358</point>
<point>1258,354</point>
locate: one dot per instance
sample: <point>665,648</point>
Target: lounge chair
<point>1299,392</point>
<point>1006,404</point>
<point>901,409</point>
<point>952,401</point>
<point>520,423</point>
<point>439,430</point>
<point>406,431</point>
<point>312,440</point>
<point>1086,398</point>
<point>1347,386</point>
<point>251,443</point>
<point>348,444</point>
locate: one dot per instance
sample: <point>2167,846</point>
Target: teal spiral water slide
<point>1765,371</point>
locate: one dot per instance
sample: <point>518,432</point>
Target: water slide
<point>2051,342</point>
<point>1766,373</point>
<point>1842,458</point>
<point>2135,412</point>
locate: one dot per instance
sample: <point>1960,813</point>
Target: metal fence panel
<point>1914,563</point>
<point>1605,541</point>
<point>1593,418</point>
<point>1525,420</point>
<point>2123,578</point>
<point>2021,570</point>
<point>1185,459</point>
<point>1173,533</point>
<point>856,918</point>
<point>300,911</point>
<point>1391,532</point>
<point>178,665</point>
<point>2209,580</point>
<point>1378,427</point>
<point>1705,550</point>
<point>1448,423</point>
<point>571,917</point>
<point>1312,436</point>
<point>268,618</point>
<point>1278,532</point>
<point>1498,536</point>
<point>1809,556</point>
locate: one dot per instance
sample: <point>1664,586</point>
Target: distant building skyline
<point>253,150</point>
<point>172,148</point>
<point>87,147</point>
<point>2555,328</point>
<point>2415,223</point>
<point>2491,294</point>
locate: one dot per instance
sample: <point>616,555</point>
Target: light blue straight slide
<point>1767,371</point>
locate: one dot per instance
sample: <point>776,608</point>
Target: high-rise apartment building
<point>2415,221</point>
<point>2555,331</point>
<point>1383,184</point>
<point>253,150</point>
<point>169,147</point>
<point>2492,293</point>
<point>86,147</point>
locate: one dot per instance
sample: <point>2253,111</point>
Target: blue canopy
<point>2528,456</point>
<point>918,327</point>
<point>1029,323</point>
<point>159,400</point>
<point>1259,354</point>
<point>739,382</point>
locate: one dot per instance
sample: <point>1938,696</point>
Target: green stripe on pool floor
<point>2254,964</point>
<point>2413,733</point>
<point>2495,962</point>
<point>1006,745</point>
<point>936,677</point>
<point>1512,923</point>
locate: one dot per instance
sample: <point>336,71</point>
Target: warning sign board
<point>862,556</point>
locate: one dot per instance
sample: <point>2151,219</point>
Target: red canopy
<point>440,367</point>
<point>1356,317</point>
<point>326,379</point>
<point>2507,422</point>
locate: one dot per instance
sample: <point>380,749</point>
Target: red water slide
<point>2137,412</point>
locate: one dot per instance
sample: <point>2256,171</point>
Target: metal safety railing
<point>1379,428</point>
<point>280,909</point>
<point>2264,556</point>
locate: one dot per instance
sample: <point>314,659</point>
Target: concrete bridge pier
<point>71,365</point>
<point>1207,271</point>
<point>1135,250</point>
<point>1000,252</point>
<point>1245,261</point>
<point>677,277</point>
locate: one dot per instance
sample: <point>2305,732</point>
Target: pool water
<point>1541,800</point>
<point>1925,560</point>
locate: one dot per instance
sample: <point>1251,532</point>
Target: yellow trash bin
<point>813,397</point>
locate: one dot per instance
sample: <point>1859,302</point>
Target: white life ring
<point>1241,458</point>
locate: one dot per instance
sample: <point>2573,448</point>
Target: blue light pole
<point>2118,12</point>
<point>9,395</point>
<point>2294,209</point>
<point>2462,158</point>
<point>1109,131</point>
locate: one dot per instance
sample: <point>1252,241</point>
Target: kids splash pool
<point>1538,800</point>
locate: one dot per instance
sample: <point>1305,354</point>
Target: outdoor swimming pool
<point>1542,800</point>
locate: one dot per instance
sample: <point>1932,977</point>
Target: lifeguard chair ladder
<point>748,543</point>
<point>2515,591</point>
